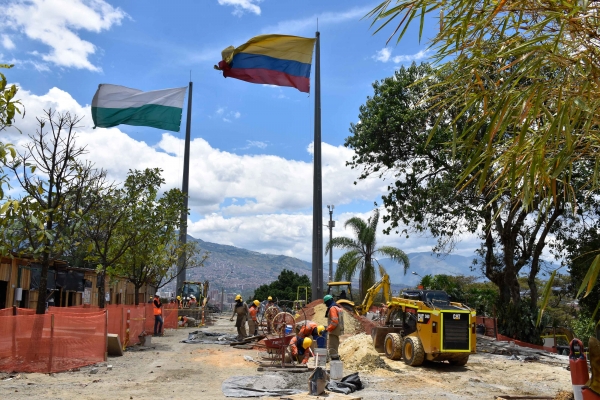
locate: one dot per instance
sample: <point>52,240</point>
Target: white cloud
<point>225,115</point>
<point>260,202</point>
<point>385,55</point>
<point>304,25</point>
<point>274,193</point>
<point>7,43</point>
<point>55,23</point>
<point>242,6</point>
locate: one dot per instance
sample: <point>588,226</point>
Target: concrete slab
<point>114,347</point>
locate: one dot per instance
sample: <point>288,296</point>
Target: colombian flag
<point>279,60</point>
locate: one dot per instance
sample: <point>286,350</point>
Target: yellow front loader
<point>425,325</point>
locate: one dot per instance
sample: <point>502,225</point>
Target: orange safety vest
<point>157,310</point>
<point>253,312</point>
<point>307,329</point>
<point>334,315</point>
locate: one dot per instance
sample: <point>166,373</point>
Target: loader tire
<point>413,352</point>
<point>393,346</point>
<point>459,362</point>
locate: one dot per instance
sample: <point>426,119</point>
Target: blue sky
<point>251,171</point>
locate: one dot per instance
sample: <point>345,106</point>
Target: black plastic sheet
<point>347,385</point>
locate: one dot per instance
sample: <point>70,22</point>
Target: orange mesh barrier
<point>52,342</point>
<point>8,312</point>
<point>489,324</point>
<point>73,310</point>
<point>170,315</point>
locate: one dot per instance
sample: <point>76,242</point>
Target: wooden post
<point>106,335</point>
<point>51,341</point>
<point>495,325</point>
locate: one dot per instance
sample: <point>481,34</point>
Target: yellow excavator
<point>341,297</point>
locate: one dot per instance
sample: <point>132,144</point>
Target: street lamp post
<point>223,289</point>
<point>331,225</point>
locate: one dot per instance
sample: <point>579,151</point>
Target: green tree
<point>394,141</point>
<point>361,255</point>
<point>56,183</point>
<point>283,288</point>
<point>151,225</point>
<point>530,71</point>
<point>9,107</point>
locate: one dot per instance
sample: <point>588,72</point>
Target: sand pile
<point>563,395</point>
<point>358,354</point>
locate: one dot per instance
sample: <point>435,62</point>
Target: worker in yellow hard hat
<point>240,311</point>
<point>271,310</point>
<point>253,321</point>
<point>300,349</point>
<point>310,328</point>
<point>179,304</point>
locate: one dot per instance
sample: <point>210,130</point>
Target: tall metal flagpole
<point>181,263</point>
<point>317,242</point>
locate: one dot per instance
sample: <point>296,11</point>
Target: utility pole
<point>331,225</point>
<point>317,237</point>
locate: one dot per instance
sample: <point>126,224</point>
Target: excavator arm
<point>383,284</point>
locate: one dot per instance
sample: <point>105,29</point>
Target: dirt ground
<point>174,370</point>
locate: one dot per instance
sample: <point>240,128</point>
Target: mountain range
<point>235,269</point>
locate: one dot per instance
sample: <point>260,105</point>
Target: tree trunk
<point>41,304</point>
<point>101,289</point>
<point>136,297</point>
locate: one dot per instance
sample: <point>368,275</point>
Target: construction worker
<point>311,329</point>
<point>179,303</point>
<point>335,326</point>
<point>253,321</point>
<point>158,320</point>
<point>187,322</point>
<point>240,310</point>
<point>300,349</point>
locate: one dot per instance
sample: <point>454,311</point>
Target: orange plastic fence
<point>52,342</point>
<point>8,312</point>
<point>489,324</point>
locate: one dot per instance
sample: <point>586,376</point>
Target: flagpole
<point>317,242</point>
<point>181,263</point>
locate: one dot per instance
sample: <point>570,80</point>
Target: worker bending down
<point>187,322</point>
<point>311,329</point>
<point>253,321</point>
<point>240,311</point>
<point>335,326</point>
<point>300,349</point>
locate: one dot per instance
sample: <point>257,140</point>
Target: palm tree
<point>362,250</point>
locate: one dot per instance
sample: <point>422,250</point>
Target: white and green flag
<point>115,105</point>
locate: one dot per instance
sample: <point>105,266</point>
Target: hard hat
<point>238,297</point>
<point>156,295</point>
<point>327,298</point>
<point>178,297</point>
<point>179,318</point>
<point>306,343</point>
<point>256,303</point>
<point>320,330</point>
<point>193,297</point>
<point>269,298</point>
